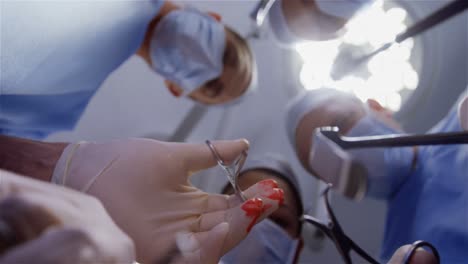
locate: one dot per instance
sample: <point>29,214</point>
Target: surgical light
<point>387,77</point>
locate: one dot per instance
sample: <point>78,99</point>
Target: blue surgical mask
<point>187,48</point>
<point>386,167</point>
<point>266,243</point>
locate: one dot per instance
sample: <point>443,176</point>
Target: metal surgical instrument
<point>395,140</point>
<point>232,170</point>
<point>345,245</point>
<point>341,68</point>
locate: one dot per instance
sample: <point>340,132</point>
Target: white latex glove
<point>35,207</point>
<point>144,184</point>
<point>58,246</point>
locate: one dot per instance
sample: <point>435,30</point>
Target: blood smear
<point>253,208</point>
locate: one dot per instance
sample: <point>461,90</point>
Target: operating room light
<point>387,74</point>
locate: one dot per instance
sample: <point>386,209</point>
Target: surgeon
<point>276,239</point>
<point>426,188</point>
<point>144,186</point>
<point>295,21</point>
<point>55,56</point>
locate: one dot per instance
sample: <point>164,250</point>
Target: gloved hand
<point>421,256</point>
<point>44,222</point>
<point>145,187</point>
<point>57,246</point>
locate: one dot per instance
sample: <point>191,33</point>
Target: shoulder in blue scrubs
<point>432,204</point>
<point>56,54</point>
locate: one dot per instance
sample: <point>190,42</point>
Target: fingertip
<point>270,205</point>
<point>277,195</point>
<point>221,228</point>
<point>264,188</point>
<point>268,184</point>
<point>186,242</point>
<point>246,142</point>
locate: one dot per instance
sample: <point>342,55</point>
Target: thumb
<point>263,199</point>
<point>196,157</point>
<point>421,256</point>
<point>203,247</point>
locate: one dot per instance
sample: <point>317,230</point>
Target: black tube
<point>395,140</point>
<point>404,141</point>
<point>439,16</point>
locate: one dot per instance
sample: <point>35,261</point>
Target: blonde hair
<point>237,54</point>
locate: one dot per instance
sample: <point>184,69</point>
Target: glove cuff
<point>60,174</point>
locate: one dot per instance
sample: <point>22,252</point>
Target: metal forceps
<point>344,244</point>
<point>232,170</point>
<point>396,140</point>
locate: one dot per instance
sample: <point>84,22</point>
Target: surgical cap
<point>280,27</point>
<point>302,104</point>
<point>341,8</point>
<point>188,48</point>
<point>274,163</point>
<point>344,9</point>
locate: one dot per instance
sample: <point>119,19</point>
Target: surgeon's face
<point>287,215</point>
<point>234,80</point>
<point>232,83</point>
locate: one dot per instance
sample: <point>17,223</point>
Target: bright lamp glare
<point>389,72</point>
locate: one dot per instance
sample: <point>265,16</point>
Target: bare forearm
<point>34,159</point>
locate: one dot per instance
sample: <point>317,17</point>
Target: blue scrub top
<point>432,204</point>
<point>56,54</point>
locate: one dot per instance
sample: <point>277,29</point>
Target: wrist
<point>30,158</point>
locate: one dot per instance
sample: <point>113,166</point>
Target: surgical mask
<point>187,48</point>
<point>266,243</point>
<point>376,171</point>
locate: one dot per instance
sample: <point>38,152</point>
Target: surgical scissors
<point>232,170</point>
<point>344,244</point>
